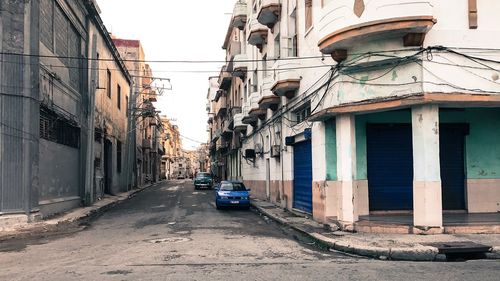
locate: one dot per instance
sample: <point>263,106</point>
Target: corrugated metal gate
<point>390,166</point>
<point>452,144</point>
<point>302,183</point>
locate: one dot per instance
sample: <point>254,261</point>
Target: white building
<point>352,108</point>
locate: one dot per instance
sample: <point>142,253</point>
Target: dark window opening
<point>119,97</point>
<point>109,83</point>
<point>58,129</point>
<point>118,156</point>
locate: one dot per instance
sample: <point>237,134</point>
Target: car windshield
<point>203,175</point>
<point>229,186</point>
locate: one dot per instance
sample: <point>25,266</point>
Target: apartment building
<point>354,108</point>
<point>172,145</point>
<point>146,122</point>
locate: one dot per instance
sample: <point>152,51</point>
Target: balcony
<point>227,132</point>
<point>238,125</point>
<point>287,80</point>
<point>269,12</point>
<point>343,24</point>
<point>225,78</point>
<point>240,15</point>
<point>247,118</point>
<point>258,33</point>
<point>267,98</point>
<point>221,107</point>
<point>240,65</point>
<point>255,109</point>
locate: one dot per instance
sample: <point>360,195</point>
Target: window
<point>292,35</point>
<point>277,46</point>
<point>108,81</point>
<point>308,14</point>
<point>264,66</point>
<point>126,106</point>
<point>302,114</point>
<point>119,96</point>
<point>255,85</point>
<point>118,156</point>
<point>58,129</point>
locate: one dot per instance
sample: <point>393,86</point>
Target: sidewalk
<point>72,216</point>
<point>407,247</point>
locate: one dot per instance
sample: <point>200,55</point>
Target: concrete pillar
<point>346,168</point>
<point>427,202</point>
<point>320,200</point>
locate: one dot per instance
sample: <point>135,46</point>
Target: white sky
<point>176,30</point>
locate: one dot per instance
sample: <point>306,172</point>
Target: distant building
<point>146,123</point>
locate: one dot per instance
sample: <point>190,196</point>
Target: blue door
<point>451,150</point>
<point>302,183</point>
<point>390,166</point>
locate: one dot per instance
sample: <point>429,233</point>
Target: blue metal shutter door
<point>302,184</point>
<point>390,167</point>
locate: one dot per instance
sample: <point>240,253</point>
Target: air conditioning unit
<point>249,153</point>
<point>289,141</point>
<point>275,151</point>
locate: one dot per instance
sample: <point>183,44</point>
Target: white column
<point>427,202</point>
<point>320,200</point>
<point>346,168</point>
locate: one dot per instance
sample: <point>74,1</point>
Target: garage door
<point>302,184</point>
<point>390,166</point>
<point>452,143</point>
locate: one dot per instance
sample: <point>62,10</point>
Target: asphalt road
<point>172,232</point>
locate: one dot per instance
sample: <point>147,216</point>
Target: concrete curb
<point>416,253</point>
<point>73,216</point>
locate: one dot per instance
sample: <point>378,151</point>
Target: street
<point>172,232</point>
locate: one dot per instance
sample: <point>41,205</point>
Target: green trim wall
<point>331,150</point>
<point>482,145</point>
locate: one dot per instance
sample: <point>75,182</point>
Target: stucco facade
<point>335,93</point>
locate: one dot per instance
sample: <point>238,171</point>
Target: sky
<point>176,30</point>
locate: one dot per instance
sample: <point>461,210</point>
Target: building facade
<point>354,108</point>
<point>147,123</point>
<point>48,86</point>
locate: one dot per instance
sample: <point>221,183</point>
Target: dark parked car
<point>203,180</point>
<point>232,194</point>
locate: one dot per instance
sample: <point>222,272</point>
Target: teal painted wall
<point>398,116</point>
<point>482,144</point>
<point>331,150</point>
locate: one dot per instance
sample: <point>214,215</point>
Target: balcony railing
<point>221,106</point>
<point>238,123</point>
<point>258,33</point>
<point>269,12</point>
<point>240,15</point>
<point>267,98</point>
<point>345,22</point>
<point>240,65</point>
<point>255,109</point>
<point>225,78</point>
<point>287,80</point>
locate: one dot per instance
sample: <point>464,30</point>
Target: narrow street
<point>171,232</point>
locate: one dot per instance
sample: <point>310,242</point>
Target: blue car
<point>232,194</point>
